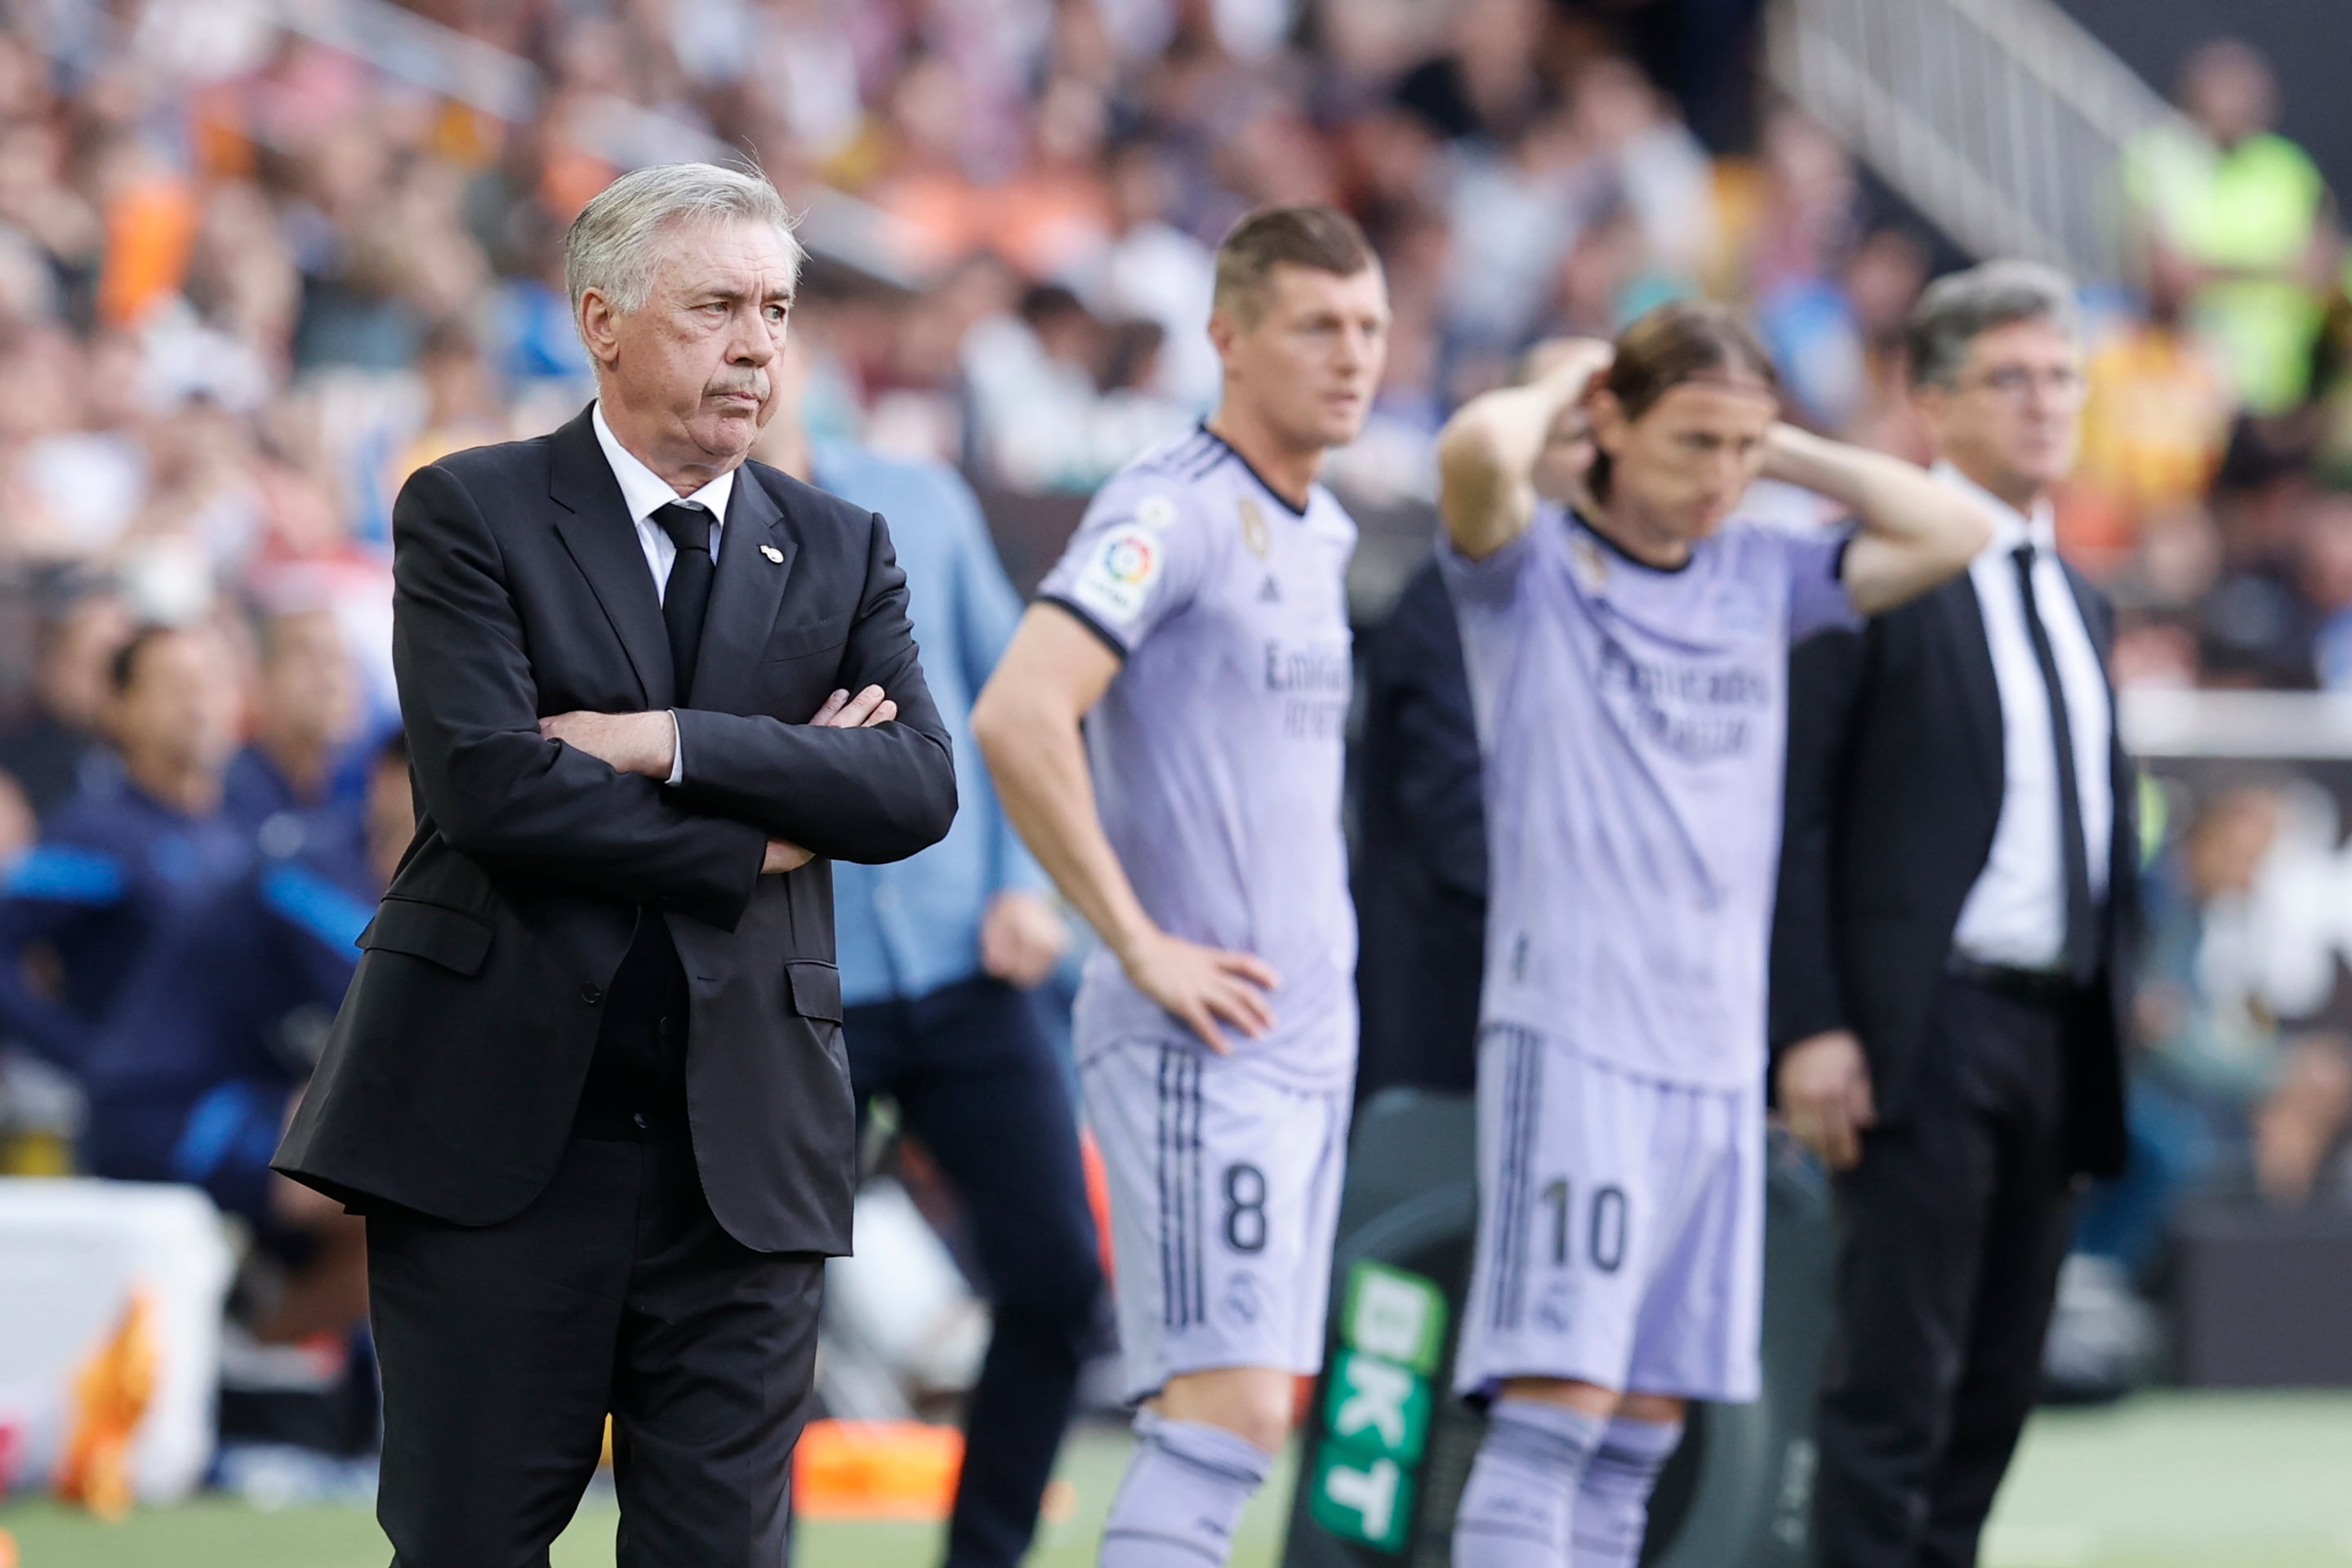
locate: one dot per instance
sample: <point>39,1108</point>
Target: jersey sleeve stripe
<point>1108,638</point>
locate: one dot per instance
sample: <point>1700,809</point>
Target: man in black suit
<point>1951,953</point>
<point>588,1084</point>
<point>1419,872</point>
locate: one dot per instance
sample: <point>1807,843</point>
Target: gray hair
<point>1960,306</point>
<point>614,245</point>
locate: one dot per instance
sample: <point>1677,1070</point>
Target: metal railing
<point>2001,120</point>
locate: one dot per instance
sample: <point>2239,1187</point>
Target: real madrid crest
<point>1253,529</point>
<point>1592,566</point>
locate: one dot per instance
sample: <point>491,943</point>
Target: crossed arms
<point>576,801</point>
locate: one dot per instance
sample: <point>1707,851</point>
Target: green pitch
<point>2168,1480</point>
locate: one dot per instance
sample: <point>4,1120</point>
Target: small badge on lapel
<point>772,553</point>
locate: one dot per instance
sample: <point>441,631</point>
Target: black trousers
<point>1952,1228</point>
<point>504,1347</point>
<point>977,1082</point>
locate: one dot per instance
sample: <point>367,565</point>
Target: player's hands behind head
<point>1578,358</point>
<point>1824,1084</point>
<point>1204,986</point>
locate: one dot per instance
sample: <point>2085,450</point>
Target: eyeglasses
<point>2015,383</point>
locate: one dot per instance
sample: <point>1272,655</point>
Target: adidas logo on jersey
<point>1269,592</point>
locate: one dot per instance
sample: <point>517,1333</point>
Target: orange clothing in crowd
<point>2156,420</point>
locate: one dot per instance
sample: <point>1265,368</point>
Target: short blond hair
<point>1310,235</point>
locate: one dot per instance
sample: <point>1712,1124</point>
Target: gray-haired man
<point>588,1085</point>
<point>1949,957</point>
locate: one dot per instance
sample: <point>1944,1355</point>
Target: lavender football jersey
<point>1217,752</point>
<point>1634,724</point>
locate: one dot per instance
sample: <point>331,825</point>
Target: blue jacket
<point>908,929</point>
<point>245,989</point>
<point>114,873</point>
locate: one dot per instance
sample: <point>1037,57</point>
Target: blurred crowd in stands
<point>249,282</point>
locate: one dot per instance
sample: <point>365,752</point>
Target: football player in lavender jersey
<point>1198,623</point>
<point>1628,657</point>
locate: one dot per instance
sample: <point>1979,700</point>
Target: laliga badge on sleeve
<point>772,553</point>
<point>1116,583</point>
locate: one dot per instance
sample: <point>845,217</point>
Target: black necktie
<point>2080,959</point>
<point>686,600</point>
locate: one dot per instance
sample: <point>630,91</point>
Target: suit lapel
<point>755,562</point>
<point>1971,656</point>
<point>595,528</point>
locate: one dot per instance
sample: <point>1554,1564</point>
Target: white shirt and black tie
<point>2017,914</point>
<point>648,496</point>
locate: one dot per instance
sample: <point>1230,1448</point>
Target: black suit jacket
<point>1421,850</point>
<point>1896,771</point>
<point>519,590</point>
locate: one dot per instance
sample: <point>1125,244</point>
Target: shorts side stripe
<point>1531,1120</point>
<point>1168,1288</point>
<point>1502,1199</point>
<point>1199,1272</point>
<point>1512,1205</point>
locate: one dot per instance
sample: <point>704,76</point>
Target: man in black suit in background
<point>1952,954</point>
<point>588,1084</point>
<point>1420,873</point>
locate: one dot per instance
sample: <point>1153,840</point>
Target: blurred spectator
<point>1154,271</point>
<point>2217,1092</point>
<point>1486,83</point>
<point>306,710</point>
<point>1041,419</point>
<point>121,864</point>
<point>2247,213</point>
<point>2157,415</point>
<point>2327,584</point>
<point>193,1074</point>
<point>1658,167</point>
<point>56,749</point>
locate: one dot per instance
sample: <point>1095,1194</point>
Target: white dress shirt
<point>2016,913</point>
<point>645,493</point>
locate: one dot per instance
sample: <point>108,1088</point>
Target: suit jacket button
<point>592,994</point>
<point>643,1125</point>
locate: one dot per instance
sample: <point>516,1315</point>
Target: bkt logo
<point>1376,1414</point>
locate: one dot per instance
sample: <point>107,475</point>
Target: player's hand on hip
<point>627,742</point>
<point>783,856</point>
<point>1824,1084</point>
<point>1207,987</point>
<point>1022,937</point>
<point>863,712</point>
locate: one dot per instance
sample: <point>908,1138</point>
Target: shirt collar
<point>2010,527</point>
<point>646,492</point>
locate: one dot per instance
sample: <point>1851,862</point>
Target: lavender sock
<point>1183,1494</point>
<point>1613,1502</point>
<point>1518,1508</point>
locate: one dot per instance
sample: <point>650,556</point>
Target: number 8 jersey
<point>1218,751</point>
